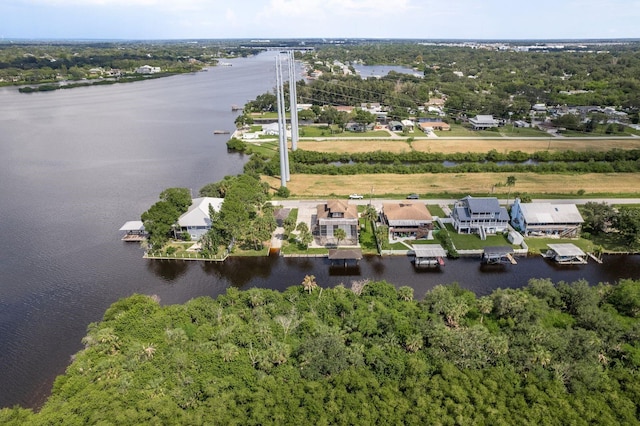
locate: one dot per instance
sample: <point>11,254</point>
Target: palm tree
<point>309,283</point>
<point>485,306</point>
<point>405,293</point>
<point>340,234</point>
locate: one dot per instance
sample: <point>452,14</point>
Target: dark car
<point>413,197</point>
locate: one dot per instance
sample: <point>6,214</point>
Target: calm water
<point>76,164</point>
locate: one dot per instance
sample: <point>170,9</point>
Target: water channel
<point>76,164</point>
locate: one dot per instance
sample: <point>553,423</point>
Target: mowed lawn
<point>309,186</point>
<point>469,145</point>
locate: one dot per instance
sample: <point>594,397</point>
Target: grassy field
<point>310,186</point>
<point>469,145</point>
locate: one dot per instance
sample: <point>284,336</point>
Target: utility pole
<point>293,102</point>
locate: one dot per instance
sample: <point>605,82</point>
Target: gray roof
<point>482,205</point>
<point>198,213</point>
<point>429,250</point>
<point>550,213</point>
<point>345,254</point>
<point>479,206</point>
<point>483,119</point>
<point>566,249</point>
<point>133,225</point>
<point>498,250</point>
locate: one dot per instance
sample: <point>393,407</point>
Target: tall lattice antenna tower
<point>282,126</point>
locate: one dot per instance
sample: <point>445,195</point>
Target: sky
<point>272,19</point>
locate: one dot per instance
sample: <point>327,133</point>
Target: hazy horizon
<point>316,19</point>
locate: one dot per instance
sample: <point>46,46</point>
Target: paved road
<point>446,201</point>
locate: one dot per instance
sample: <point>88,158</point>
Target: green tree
<point>597,217</point>
<point>363,118</point>
<point>627,222</point>
<point>339,234</point>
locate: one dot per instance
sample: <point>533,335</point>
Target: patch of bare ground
<point>311,186</point>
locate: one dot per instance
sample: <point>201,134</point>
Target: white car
<point>356,197</point>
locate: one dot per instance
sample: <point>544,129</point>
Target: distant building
<point>271,129</point>
<point>427,126</point>
<point>408,125</point>
<point>196,221</point>
<point>147,69</point>
<point>563,220</point>
<point>483,122</point>
<point>395,126</point>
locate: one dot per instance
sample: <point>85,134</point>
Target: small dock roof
<point>429,251</point>
<point>133,225</point>
<point>498,250</point>
<point>345,254</point>
<point>566,249</point>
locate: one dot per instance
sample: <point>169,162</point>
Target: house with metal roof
<point>563,220</point>
<point>483,122</point>
<point>196,220</point>
<point>334,215</point>
<point>479,215</point>
<point>407,219</point>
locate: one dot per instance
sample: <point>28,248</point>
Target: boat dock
<point>498,254</point>
<point>345,256</point>
<point>429,255</point>
<point>134,231</point>
<point>566,254</point>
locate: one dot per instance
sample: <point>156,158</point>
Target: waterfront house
<point>479,215</point>
<point>196,221</point>
<point>563,220</point>
<point>333,215</point>
<point>483,122</point>
<point>407,219</point>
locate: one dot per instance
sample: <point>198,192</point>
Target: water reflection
<point>167,270</point>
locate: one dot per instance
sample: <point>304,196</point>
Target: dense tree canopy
<point>161,217</point>
<point>564,353</point>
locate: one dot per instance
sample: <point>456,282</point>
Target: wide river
<point>76,164</point>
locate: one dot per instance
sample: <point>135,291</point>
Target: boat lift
<point>566,254</point>
<point>429,255</point>
<point>496,255</point>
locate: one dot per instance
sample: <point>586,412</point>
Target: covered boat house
<point>345,257</point>
<point>429,255</point>
<point>134,231</point>
<point>498,254</point>
<point>567,254</point>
